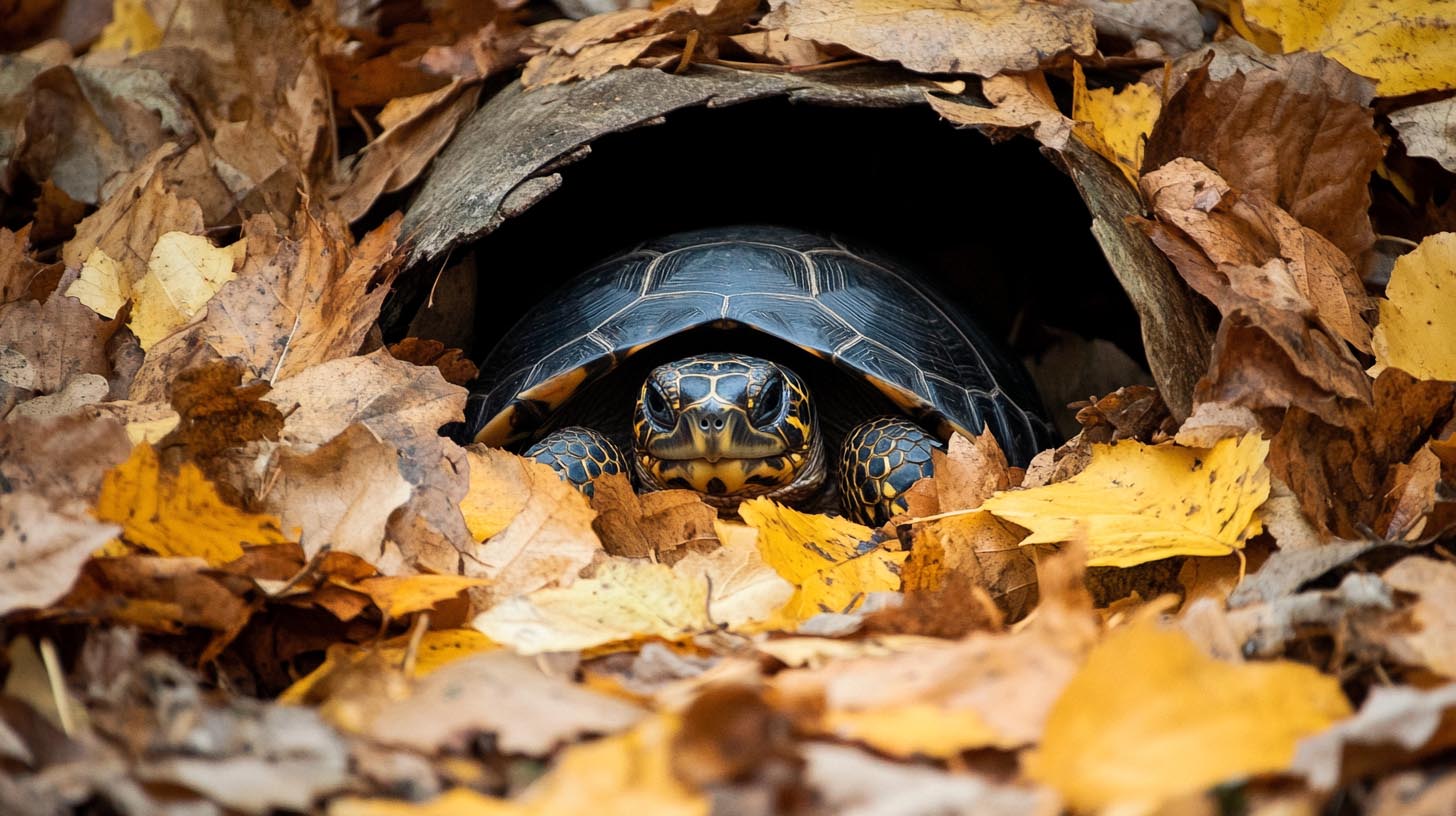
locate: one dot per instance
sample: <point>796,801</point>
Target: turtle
<point>752,360</point>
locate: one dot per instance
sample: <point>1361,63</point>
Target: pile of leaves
<point>242,572</point>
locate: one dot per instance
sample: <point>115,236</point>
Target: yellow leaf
<point>178,515</point>
<point>625,775</point>
<point>1138,503</point>
<point>626,599</point>
<point>833,562</point>
<point>131,29</point>
<point>1116,124</point>
<point>403,594</point>
<point>437,647</point>
<point>453,802</point>
<point>915,729</point>
<point>184,272</point>
<point>102,284</point>
<point>1414,333</point>
<point>1149,717</point>
<point>1405,45</point>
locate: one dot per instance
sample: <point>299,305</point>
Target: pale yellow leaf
<point>102,285</point>
<point>1136,503</point>
<point>1149,717</point>
<point>184,272</point>
<point>626,599</point>
<point>1414,333</point>
<point>1405,45</point>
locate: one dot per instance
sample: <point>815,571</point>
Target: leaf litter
<point>241,571</point>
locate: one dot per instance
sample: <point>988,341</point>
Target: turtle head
<point>727,425</point>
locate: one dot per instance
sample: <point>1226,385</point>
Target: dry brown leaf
<point>662,524</point>
<point>18,270</point>
<point>603,42</point>
<point>1429,130</point>
<point>1429,638</point>
<point>969,471</point>
<point>1008,682</point>
<point>86,126</point>
<point>1394,726</point>
<point>1242,230</point>
<point>55,341</point>
<point>340,495</point>
<point>127,225</point>
<point>454,366</point>
<point>941,36</point>
<point>504,695</point>
<point>63,459</point>
<point>1340,472</point>
<point>851,781</point>
<point>1296,129</point>
<point>778,47</point>
<point>1175,25</point>
<point>1020,102</point>
<point>42,549</point>
<point>394,399</point>
<point>415,129</point>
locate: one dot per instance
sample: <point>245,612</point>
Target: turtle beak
<point>712,428</point>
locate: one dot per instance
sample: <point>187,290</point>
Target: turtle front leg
<point>880,460</point>
<point>578,455</point>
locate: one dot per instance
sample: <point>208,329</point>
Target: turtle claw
<point>578,455</point>
<point>880,460</point>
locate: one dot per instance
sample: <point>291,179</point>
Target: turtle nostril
<point>703,423</point>
<point>718,424</point>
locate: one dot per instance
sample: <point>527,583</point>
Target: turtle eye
<point>770,403</point>
<point>658,411</point>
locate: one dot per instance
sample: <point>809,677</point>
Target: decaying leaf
<point>42,549</point>
<point>1297,129</point>
<point>1404,46</point>
<point>941,36</point>
<point>1393,726</point>
<point>184,272</point>
<point>1136,503</point>
<point>663,524</point>
<point>1427,639</point>
<point>502,694</point>
<point>1429,130</point>
<point>1107,739</point>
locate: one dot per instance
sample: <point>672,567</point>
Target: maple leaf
<point>179,514</point>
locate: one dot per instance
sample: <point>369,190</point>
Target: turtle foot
<point>578,455</point>
<point>880,460</point>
